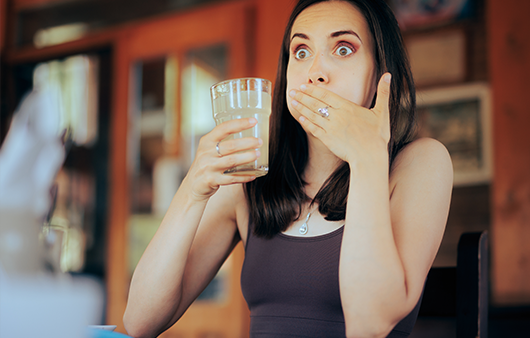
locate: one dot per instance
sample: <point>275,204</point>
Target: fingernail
<point>294,103</point>
<point>260,141</point>
<point>292,93</point>
<point>387,78</point>
<point>252,120</point>
<point>303,87</point>
<point>258,153</point>
<point>302,119</point>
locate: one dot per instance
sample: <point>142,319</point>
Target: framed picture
<point>438,59</point>
<point>460,118</point>
<point>426,13</point>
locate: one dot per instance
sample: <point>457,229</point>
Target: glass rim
<point>240,79</point>
<point>257,83</point>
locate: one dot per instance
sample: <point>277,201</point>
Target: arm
<point>391,236</point>
<point>393,227</point>
<point>196,235</point>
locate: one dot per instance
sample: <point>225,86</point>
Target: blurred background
<point>135,78</point>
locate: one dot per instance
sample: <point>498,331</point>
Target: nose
<point>318,73</point>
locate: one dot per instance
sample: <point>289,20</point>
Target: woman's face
<point>331,46</point>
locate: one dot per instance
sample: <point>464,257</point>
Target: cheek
<point>364,91</point>
<point>371,84</point>
<point>289,78</point>
<point>353,90</point>
<point>371,88</point>
<point>297,73</point>
<point>289,105</point>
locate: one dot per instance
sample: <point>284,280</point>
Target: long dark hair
<point>275,200</point>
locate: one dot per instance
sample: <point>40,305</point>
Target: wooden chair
<point>457,294</point>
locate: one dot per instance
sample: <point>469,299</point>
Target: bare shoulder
<point>424,159</point>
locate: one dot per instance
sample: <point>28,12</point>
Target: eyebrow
<point>346,32</point>
<point>300,35</point>
<point>332,35</point>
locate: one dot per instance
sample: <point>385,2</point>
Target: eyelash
<point>347,45</point>
<point>341,44</point>
<point>299,48</point>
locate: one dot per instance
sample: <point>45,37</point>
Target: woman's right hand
<point>206,172</point>
<point>195,236</point>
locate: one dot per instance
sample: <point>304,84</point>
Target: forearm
<point>183,256</point>
<point>372,277</point>
<point>155,291</point>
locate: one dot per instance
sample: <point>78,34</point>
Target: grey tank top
<point>291,286</point>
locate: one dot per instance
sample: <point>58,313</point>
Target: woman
<point>341,233</point>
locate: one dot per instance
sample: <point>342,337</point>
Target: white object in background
<point>20,250</point>
<point>48,307</point>
<point>32,153</point>
<point>30,158</point>
<point>33,304</point>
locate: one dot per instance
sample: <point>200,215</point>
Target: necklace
<point>303,228</point>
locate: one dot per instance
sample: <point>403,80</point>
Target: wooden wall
<point>509,30</point>
<point>470,205</point>
<point>272,17</point>
<point>509,67</point>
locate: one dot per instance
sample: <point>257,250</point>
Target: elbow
<point>377,324</point>
<point>136,332</point>
<point>135,328</point>
<point>368,329</point>
<point>131,327</point>
<point>141,321</point>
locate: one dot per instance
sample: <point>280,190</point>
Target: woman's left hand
<point>351,132</point>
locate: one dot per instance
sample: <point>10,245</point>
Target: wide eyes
<point>302,53</point>
<point>344,50</point>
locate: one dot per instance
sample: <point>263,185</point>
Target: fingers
<point>228,162</point>
<point>228,128</point>
<point>311,127</point>
<point>235,153</point>
<point>315,97</point>
<point>208,168</point>
<point>228,147</point>
<point>207,172</point>
<point>383,94</point>
<point>308,116</point>
<point>308,106</point>
<point>237,159</point>
<point>218,152</point>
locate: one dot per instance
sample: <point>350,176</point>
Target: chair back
<point>461,291</point>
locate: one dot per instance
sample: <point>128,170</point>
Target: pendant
<point>303,229</point>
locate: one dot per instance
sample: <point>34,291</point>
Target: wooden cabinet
<point>246,34</point>
<point>157,125</point>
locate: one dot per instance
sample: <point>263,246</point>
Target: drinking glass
<point>244,98</point>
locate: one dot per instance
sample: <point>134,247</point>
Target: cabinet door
<point>168,66</point>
